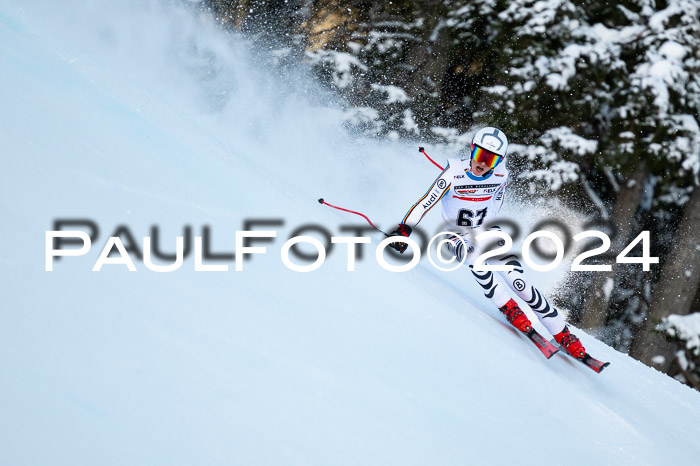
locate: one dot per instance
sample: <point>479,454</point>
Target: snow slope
<point>139,114</point>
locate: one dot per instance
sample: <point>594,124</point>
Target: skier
<point>472,190</point>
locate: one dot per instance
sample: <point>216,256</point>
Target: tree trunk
<point>595,311</point>
<point>676,290</point>
<point>428,61</point>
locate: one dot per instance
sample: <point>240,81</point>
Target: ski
<point>594,363</point>
<point>541,343</point>
<point>587,360</point>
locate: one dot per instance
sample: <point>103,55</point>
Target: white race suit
<point>467,202</point>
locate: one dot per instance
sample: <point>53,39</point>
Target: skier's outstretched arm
<point>430,199</point>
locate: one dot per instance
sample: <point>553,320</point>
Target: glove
<point>402,230</point>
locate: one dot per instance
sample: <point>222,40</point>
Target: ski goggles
<point>484,156</point>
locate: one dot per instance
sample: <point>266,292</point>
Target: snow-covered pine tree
<point>611,96</point>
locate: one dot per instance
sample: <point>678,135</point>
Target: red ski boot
<point>570,343</point>
<point>516,316</point>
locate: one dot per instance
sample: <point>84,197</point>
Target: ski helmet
<point>491,139</point>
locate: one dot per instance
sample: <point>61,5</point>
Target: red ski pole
<point>420,149</point>
<point>321,201</point>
